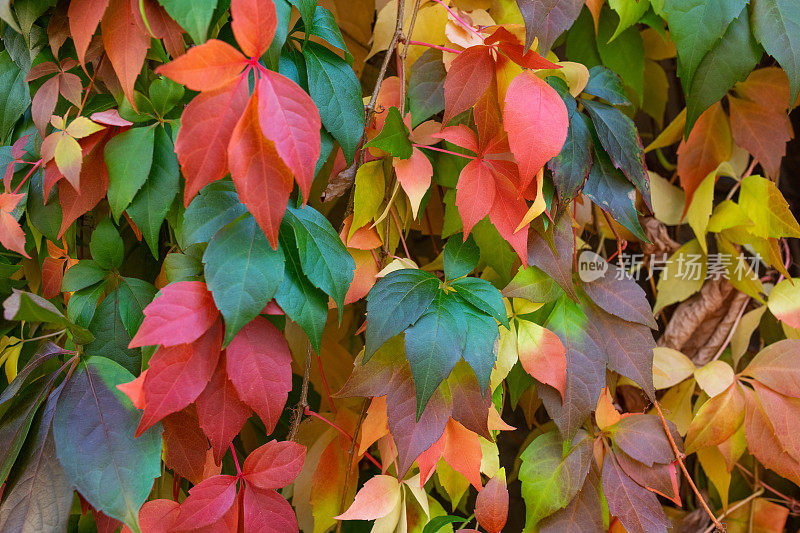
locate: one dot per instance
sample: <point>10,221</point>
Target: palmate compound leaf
<point>242,272</point>
<point>395,302</point>
<point>551,476</point>
<point>93,429</point>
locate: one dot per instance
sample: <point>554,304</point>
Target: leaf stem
<point>443,151</point>
<point>679,456</point>
<point>28,175</point>
<point>236,461</point>
<point>459,19</point>
<point>435,46</point>
<point>399,231</point>
<point>325,383</point>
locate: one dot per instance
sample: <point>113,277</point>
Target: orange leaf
<point>11,234</point>
<point>263,180</point>
<point>474,193</point>
<point>542,355</point>
<point>469,76</point>
<point>376,499</point>
<point>84,16</point>
<point>254,24</point>
<point>491,505</point>
<point>126,46</point>
<point>708,145</point>
<point>211,65</point>
<point>761,131</point>
<point>206,127</point>
<point>289,118</point>
<point>414,175</point>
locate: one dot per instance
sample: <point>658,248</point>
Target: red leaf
<point>708,145</point>
<point>179,315</point>
<point>104,523</point>
<point>162,26</point>
<point>509,209</point>
<point>186,449</point>
<point>267,512</point>
<point>289,118</point>
<point>469,76</point>
<point>52,275</point>
<point>475,193</point>
<point>259,365</point>
<point>94,181</point>
<point>222,414</point>
<point>263,180</point>
<point>460,448</point>
<point>44,103</point>
<point>211,65</point>
<point>206,127</point>
<point>460,135</point>
<point>254,24</point>
<point>134,390</point>
<point>542,355</point>
<point>158,516</point>
<point>11,234</point>
<point>536,121</point>
<point>126,46</point>
<point>274,464</point>
<point>177,375</point>
<point>761,131</point>
<point>491,505</point>
<point>84,16</point>
<point>207,503</point>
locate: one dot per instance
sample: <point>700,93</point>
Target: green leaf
<point>776,25</point>
<point>460,256</point>
<point>393,138</point>
<point>581,44</point>
<point>93,429</point>
<point>426,86</point>
<point>326,262</point>
<point>298,297</point>
<point>84,273</point>
<point>438,522</point>
<point>283,12</point>
<point>106,245</point>
<point>605,83</point>
<point>608,188</point>
<point>571,166</point>
<point>325,27</point>
<point>337,93</point>
<point>133,295</point>
<point>182,267</point>
<point>111,338</point>
<point>165,94</point>
<point>550,476</point>
<point>533,285</point>
<point>217,205</point>
<point>620,139</point>
<point>82,304</point>
<point>14,97</point>
<point>728,61</point>
<point>434,344</point>
<point>129,157</point>
<point>32,308</point>
<point>194,16</point>
<point>695,26</point>
<point>45,217</point>
<point>480,332</point>
<point>395,302</point>
<point>495,250</point>
<point>152,203</point>
<point>242,272</point>
<point>625,55</point>
<point>307,9</point>
<point>629,11</point>
<point>483,296</point>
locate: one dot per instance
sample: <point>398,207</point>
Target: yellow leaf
<point>656,91</point>
<point>741,336</point>
<point>507,355</point>
<point>699,210</point>
<point>429,27</point>
<point>727,214</point>
<point>714,377</point>
<point>738,270</point>
<point>766,207</point>
<point>454,483</point>
<point>678,280</point>
<point>69,158</point>
<point>668,200</point>
<point>10,349</point>
<point>670,367</point>
<point>784,302</point>
<point>368,196</point>
<point>575,74</point>
<point>677,405</point>
<point>538,206</point>
<point>671,134</point>
<point>606,415</point>
<point>82,127</point>
<point>656,47</point>
<point>714,466</point>
<point>490,457</point>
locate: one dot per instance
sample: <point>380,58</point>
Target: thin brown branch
<point>734,507</point>
<point>302,405</point>
<point>679,456</point>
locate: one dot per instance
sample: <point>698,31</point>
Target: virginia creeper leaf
<point>776,25</point>
<point>461,256</point>
<point>545,20</point>
<point>129,157</point>
<point>194,16</point>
